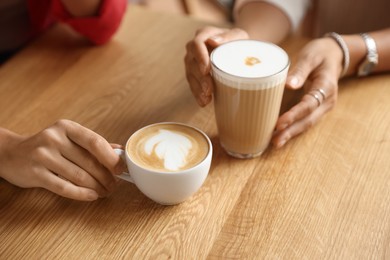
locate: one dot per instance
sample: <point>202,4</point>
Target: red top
<point>98,29</point>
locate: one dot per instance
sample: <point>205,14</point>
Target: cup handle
<point>125,175</point>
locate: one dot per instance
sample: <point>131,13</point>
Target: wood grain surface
<point>326,195</point>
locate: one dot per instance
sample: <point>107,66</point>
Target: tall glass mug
<point>249,81</point>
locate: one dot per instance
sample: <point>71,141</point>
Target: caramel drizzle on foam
<point>251,61</point>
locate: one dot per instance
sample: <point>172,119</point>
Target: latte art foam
<point>167,147</point>
<point>170,147</point>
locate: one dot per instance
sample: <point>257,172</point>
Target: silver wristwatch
<point>371,59</point>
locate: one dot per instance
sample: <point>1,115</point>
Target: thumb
<point>298,74</point>
<point>304,66</point>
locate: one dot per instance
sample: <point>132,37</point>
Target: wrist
<point>354,51</point>
<point>7,139</point>
<point>343,47</point>
<point>357,51</point>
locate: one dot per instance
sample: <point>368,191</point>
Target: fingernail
<point>293,81</point>
<point>282,127</point>
<point>281,143</point>
<point>92,196</point>
<point>216,39</point>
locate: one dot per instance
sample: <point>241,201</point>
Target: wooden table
<point>325,195</point>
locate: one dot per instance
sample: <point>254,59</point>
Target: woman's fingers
<point>67,189</point>
<point>197,63</point>
<point>201,85</point>
<point>96,145</point>
<point>317,70</point>
<point>79,159</point>
<point>299,126</point>
<point>227,36</point>
<point>308,61</point>
<point>67,170</point>
<point>303,109</point>
<point>199,50</point>
<point>65,158</point>
<point>314,104</point>
<point>84,170</point>
<point>116,146</point>
<point>197,59</point>
<point>201,92</point>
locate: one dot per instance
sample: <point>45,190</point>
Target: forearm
<point>358,50</point>
<point>104,17</point>
<point>263,21</point>
<point>82,8</point>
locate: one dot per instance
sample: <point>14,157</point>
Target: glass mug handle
<point>125,175</point>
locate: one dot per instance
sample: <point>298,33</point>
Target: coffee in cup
<point>249,81</point>
<point>167,147</point>
<point>168,161</point>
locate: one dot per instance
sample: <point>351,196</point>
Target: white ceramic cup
<point>167,188</point>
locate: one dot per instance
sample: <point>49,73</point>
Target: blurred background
<point>215,11</point>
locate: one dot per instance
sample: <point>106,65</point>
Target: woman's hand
<point>65,158</point>
<point>197,59</point>
<point>317,69</point>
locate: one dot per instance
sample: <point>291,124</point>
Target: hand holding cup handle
<point>125,175</point>
<point>167,186</point>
